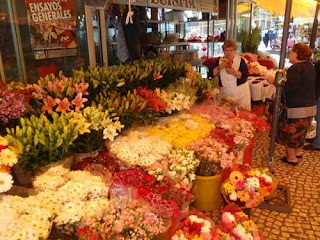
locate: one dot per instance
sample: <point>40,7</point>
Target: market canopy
<point>300,8</point>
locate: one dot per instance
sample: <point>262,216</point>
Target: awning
<point>300,8</point>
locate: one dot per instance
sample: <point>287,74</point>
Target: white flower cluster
<point>206,228</point>
<point>138,149</point>
<point>252,183</point>
<point>6,182</point>
<point>69,199</point>
<point>25,223</point>
<point>182,166</point>
<point>240,232</point>
<point>175,101</point>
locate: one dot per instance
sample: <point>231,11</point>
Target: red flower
<point>2,147</point>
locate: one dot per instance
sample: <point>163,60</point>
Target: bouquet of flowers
<point>13,105</point>
<point>182,129</point>
<point>213,156</point>
<point>138,149</point>
<point>60,94</point>
<point>254,68</point>
<point>235,224</point>
<point>98,125</point>
<point>247,186</point>
<point>195,225</point>
<point>179,166</point>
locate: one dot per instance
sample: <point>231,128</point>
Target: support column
<point>315,27</point>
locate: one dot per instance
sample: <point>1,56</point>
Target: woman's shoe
<point>285,160</point>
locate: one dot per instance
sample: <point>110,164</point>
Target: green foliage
<point>250,40</point>
<point>44,140</point>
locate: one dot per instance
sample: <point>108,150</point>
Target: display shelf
<point>167,45</point>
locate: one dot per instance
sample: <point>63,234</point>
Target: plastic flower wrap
<point>248,187</point>
<point>235,224</point>
<point>138,149</point>
<point>182,129</point>
<point>195,225</point>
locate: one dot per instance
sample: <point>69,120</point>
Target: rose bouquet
<point>195,225</point>
<point>247,186</point>
<point>235,224</point>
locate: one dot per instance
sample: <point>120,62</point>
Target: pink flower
<point>157,76</point>
<point>49,103</point>
<point>239,185</point>
<point>78,101</point>
<point>63,105</point>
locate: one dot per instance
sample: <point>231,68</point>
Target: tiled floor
<point>303,181</point>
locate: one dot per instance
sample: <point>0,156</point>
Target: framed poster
<point>52,27</point>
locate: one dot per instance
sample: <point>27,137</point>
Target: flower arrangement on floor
<point>248,186</point>
<point>235,224</point>
<point>195,225</point>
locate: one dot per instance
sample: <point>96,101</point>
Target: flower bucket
<point>66,162</point>
<point>207,192</point>
<point>247,155</point>
<point>21,176</point>
<point>78,157</point>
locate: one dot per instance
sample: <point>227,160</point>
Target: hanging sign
<point>175,4</point>
<point>193,5</point>
<point>52,27</point>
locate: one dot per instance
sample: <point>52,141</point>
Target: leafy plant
<point>43,139</point>
<point>250,40</point>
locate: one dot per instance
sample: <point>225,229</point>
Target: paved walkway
<point>304,183</point>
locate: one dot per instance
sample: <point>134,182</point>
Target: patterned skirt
<point>292,132</point>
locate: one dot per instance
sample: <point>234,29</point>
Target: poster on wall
<point>52,27</point>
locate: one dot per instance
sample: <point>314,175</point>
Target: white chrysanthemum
<point>252,183</point>
<point>48,182</point>
<point>8,157</point>
<point>6,182</point>
<point>58,170</point>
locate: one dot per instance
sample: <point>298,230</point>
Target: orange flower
<point>81,88</point>
<point>157,76</point>
<point>5,168</point>
<point>235,176</point>
<point>243,196</point>
<point>78,101</point>
<point>49,103</point>
<point>63,105</point>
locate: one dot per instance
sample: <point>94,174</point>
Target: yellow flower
<point>235,176</point>
<point>229,187</point>
<point>7,157</point>
<point>3,141</point>
<point>249,224</point>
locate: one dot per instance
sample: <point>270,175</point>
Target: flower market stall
<point>127,153</point>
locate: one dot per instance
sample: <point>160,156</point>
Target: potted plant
<point>250,40</point>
